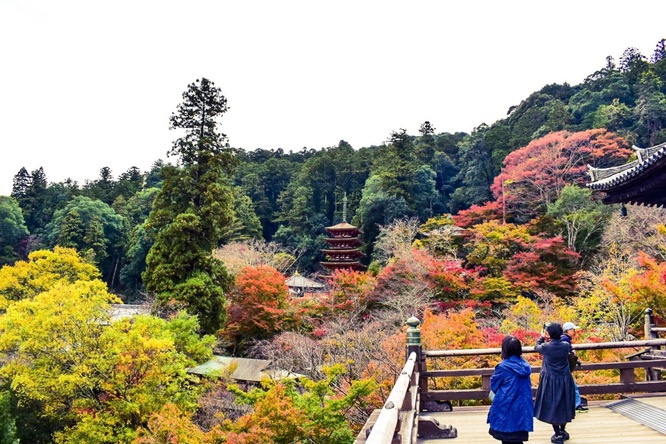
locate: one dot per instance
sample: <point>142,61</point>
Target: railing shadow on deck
<point>405,415</point>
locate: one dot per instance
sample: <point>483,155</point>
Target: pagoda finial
<point>344,208</point>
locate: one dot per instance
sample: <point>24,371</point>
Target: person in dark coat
<point>511,415</point>
<point>555,396</point>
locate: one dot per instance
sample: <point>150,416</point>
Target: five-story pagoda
<point>343,250</point>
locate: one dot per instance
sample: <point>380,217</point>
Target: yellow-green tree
<point>43,270</point>
<point>139,368</point>
<point>606,300</point>
<point>523,314</point>
<point>44,342</point>
<point>76,375</point>
<point>285,413</point>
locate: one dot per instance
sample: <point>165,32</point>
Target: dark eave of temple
<point>642,181</point>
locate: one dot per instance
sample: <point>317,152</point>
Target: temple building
<point>344,246</point>
<point>642,181</point>
<point>300,286</point>
<point>343,250</point>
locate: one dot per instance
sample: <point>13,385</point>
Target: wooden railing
<point>406,413</point>
<point>396,411</point>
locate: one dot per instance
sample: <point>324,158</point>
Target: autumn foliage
<point>257,304</point>
<point>443,278</point>
<point>478,214</point>
<point>534,176</point>
<point>648,287</point>
<point>350,292</point>
<point>284,414</point>
<point>510,259</point>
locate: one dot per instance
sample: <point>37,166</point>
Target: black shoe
<point>557,439</point>
<point>582,409</point>
<point>565,435</point>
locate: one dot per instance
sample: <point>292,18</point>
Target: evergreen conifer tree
<point>193,210</point>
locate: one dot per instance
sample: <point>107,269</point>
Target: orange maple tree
<point>257,304</point>
<point>351,292</point>
<point>648,287</point>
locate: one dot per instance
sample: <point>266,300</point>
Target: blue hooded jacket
<point>512,409</point>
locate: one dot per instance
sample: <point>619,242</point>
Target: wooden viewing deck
<point>415,412</point>
<point>599,425</point>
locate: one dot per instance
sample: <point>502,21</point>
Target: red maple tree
<point>257,304</point>
<point>534,176</point>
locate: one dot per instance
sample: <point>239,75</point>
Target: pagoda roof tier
<point>343,227</point>
<point>353,252</point>
<point>343,240</point>
<point>642,181</point>
<point>356,265</point>
<point>344,235</point>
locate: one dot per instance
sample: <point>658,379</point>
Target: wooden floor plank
<point>598,426</point>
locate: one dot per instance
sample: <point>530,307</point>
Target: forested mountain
<point>494,223</point>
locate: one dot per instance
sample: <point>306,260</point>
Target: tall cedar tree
<point>192,211</point>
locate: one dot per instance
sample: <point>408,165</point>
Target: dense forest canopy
<point>485,233</point>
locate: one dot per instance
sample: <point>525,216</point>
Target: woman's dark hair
<point>554,330</point>
<point>511,346</point>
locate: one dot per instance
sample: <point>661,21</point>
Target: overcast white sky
<point>86,84</point>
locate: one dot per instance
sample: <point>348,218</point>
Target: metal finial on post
<point>344,208</point>
<point>413,332</point>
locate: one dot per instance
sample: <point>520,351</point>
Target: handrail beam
<point>387,421</point>
<point>537,369</point>
<point>588,346</point>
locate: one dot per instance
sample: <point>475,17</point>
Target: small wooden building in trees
<point>243,370</point>
<point>642,181</point>
<point>300,286</point>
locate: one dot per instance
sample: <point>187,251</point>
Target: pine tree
<point>659,51</point>
<point>71,231</point>
<point>193,210</point>
<point>22,182</point>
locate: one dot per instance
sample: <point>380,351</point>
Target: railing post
<point>651,374</point>
<point>414,346</point>
<point>413,337</point>
<point>649,323</point>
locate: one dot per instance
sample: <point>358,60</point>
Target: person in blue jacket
<point>555,397</point>
<point>511,415</point>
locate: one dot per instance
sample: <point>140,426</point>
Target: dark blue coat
<point>512,409</point>
<point>555,398</point>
